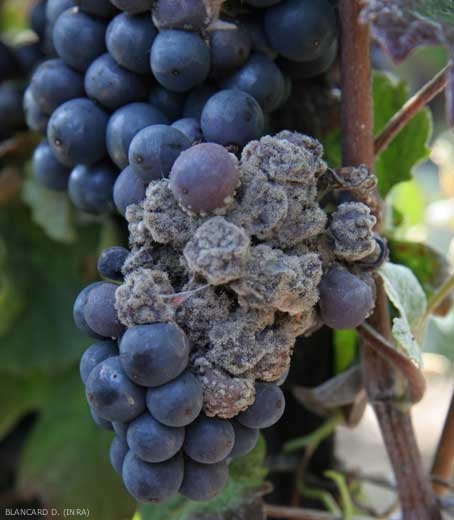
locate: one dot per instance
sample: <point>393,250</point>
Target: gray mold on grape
<point>246,283</point>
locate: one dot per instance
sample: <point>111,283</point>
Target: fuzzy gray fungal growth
<point>218,251</point>
<point>351,227</point>
<point>140,299</point>
<point>280,160</point>
<point>282,282</point>
<point>163,218</point>
<point>250,278</point>
<point>223,395</point>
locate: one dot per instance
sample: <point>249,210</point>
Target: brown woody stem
<point>415,493</point>
<point>410,109</point>
<point>443,465</point>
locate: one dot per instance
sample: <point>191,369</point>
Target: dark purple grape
<point>129,188</point>
<point>154,150</point>
<point>267,408</point>
<point>204,178</point>
<point>245,440</point>
<point>77,132</point>
<point>190,127</point>
<point>35,118</point>
<point>180,60</point>
<point>209,440</point>
<point>47,170</point>
<point>154,354</point>
<point>118,451</point>
<point>151,441</point>
<point>73,25</point>
<point>111,394</point>
<point>99,421</point>
<point>100,313</point>
<point>53,83</point>
<point>229,49</point>
<point>129,39</point>
<point>345,300</point>
<point>232,117</point>
<point>90,188</point>
<point>177,403</point>
<point>149,482</point>
<point>111,261</point>
<point>124,124</point>
<point>197,99</point>
<point>133,6</point>
<point>113,86</point>
<point>190,15</point>
<point>78,312</point>
<point>203,481</point>
<point>94,354</point>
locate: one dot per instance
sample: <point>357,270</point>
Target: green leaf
<point>332,147</point>
<point>48,275</point>
<point>430,266</point>
<point>407,198</point>
<point>407,296</point>
<point>65,461</point>
<point>51,210</point>
<point>438,11</point>
<point>19,396</point>
<point>409,147</point>
<point>246,475</point>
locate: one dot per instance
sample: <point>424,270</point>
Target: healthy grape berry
<point>204,178</point>
<point>100,313</point>
<point>111,261</point>
<point>94,354</point>
<point>203,481</point>
<point>267,409</point>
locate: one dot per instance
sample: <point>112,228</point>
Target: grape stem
<point>410,109</point>
<point>381,379</point>
<point>443,464</point>
<point>296,513</point>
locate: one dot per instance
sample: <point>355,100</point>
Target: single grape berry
<point>113,86</point>
<point>35,118</point>
<point>53,83</point>
<point>168,103</point>
<point>94,354</point>
<point>179,60</point>
<point>190,127</point>
<point>267,408</point>
<point>177,403</point>
<point>76,132</point>
<point>129,39</point>
<point>345,300</point>
<point>209,440</point>
<point>133,6</point>
<point>301,30</point>
<point>99,421</point>
<point>190,15</point>
<point>154,354</point>
<point>232,117</point>
<point>118,451</point>
<point>124,124</point>
<point>203,481</point>
<point>149,482</point>
<point>100,313</point>
<point>78,312</point>
<point>90,188</point>
<point>47,170</point>
<point>111,394</point>
<point>245,439</point>
<point>262,79</point>
<point>151,441</point>
<point>101,8</point>
<point>128,189</point>
<point>73,25</point>
<point>111,261</point>
<point>229,49</point>
<point>204,178</point>
<point>154,149</point>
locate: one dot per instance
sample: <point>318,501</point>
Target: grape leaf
<point>48,275</point>
<point>430,266</point>
<point>51,210</point>
<point>392,166</point>
<point>407,296</point>
<point>65,461</point>
<point>245,476</point>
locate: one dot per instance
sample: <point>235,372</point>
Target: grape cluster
<point>127,85</point>
<point>230,260</point>
<point>17,62</point>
